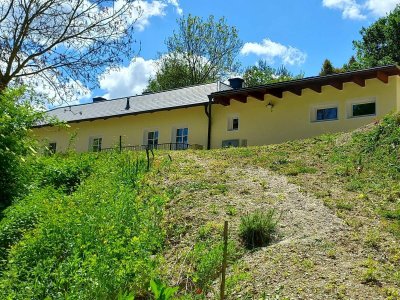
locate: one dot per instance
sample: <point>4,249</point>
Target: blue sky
<point>299,34</point>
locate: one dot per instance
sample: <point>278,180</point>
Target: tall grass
<point>257,229</point>
<point>94,241</point>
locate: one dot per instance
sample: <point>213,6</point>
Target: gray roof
<point>176,98</point>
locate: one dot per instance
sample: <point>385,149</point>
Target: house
<point>218,115</point>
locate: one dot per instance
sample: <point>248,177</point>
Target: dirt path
<point>314,256</point>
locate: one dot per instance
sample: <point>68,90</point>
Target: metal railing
<point>163,146</point>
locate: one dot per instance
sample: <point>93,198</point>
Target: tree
<point>56,42</point>
<point>17,116</point>
<point>327,68</point>
<point>204,50</point>
<point>171,73</point>
<point>379,44</point>
<point>352,65</point>
<point>262,73</point>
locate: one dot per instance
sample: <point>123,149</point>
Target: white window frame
<point>92,145</point>
<point>353,102</point>
<point>314,109</point>
<point>230,123</point>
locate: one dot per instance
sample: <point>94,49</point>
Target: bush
<point>257,229</point>
<point>17,116</point>
<point>64,172</point>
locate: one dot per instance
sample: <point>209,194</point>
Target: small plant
<point>231,210</point>
<point>161,291</point>
<point>370,275</point>
<point>257,229</point>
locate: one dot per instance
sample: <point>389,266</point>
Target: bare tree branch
<point>69,39</point>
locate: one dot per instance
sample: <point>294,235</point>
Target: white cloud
<point>175,3</point>
<point>130,80</point>
<point>359,10</point>
<point>147,10</point>
<point>350,8</point>
<point>271,51</point>
<point>152,9</point>
<point>381,7</point>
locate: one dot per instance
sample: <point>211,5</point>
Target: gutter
<point>207,108</point>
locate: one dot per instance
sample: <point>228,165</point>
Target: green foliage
<point>200,51</point>
<point>379,42</point>
<point>94,243</point>
<point>207,257</point>
<point>17,115</point>
<point>63,172</point>
<point>327,68</point>
<point>262,73</point>
<point>173,72</point>
<point>370,163</point>
<point>161,291</point>
<point>257,229</point>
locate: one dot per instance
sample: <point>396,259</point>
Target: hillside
<point>113,226</point>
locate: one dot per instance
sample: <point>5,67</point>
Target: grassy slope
<point>109,229</point>
<point>91,228</point>
<point>340,223</point>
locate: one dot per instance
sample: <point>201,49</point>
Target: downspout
<point>207,109</point>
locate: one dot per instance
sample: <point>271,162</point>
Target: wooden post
<point>120,144</point>
<point>223,271</point>
<point>148,158</point>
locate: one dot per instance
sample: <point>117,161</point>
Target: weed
<point>370,274</point>
<point>372,239</point>
<point>209,230</point>
<point>257,229</point>
<point>161,291</point>
<point>344,205</point>
<point>231,210</point>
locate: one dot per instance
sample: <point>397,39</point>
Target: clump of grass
<point>257,229</point>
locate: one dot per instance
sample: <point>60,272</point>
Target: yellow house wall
<point>131,128</point>
<point>290,117</point>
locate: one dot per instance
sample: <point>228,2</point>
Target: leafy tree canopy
<point>17,116</point>
<point>379,44</point>
<point>262,73</point>
<point>199,51</point>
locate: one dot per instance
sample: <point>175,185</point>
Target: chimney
<point>236,83</point>
<point>99,99</point>
<point>128,106</point>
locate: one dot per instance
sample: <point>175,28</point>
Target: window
<point>152,139</point>
<point>182,138</point>
<point>52,148</point>
<point>230,143</point>
<point>363,109</point>
<point>95,144</point>
<point>233,123</point>
<point>325,114</point>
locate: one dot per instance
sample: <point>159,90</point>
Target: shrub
<point>16,117</point>
<point>257,229</point>
<point>64,172</point>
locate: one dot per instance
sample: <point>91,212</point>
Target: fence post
<point>148,158</point>
<point>120,144</point>
<point>224,258</point>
